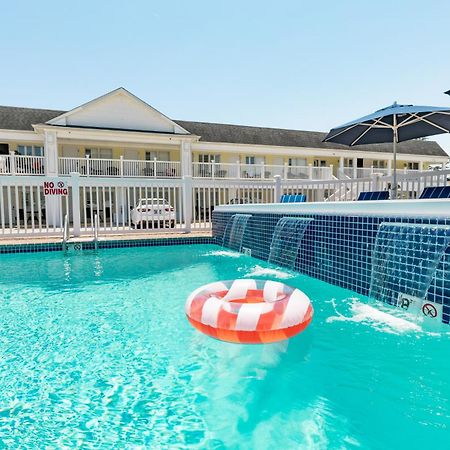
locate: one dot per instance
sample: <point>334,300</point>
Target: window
<point>320,163</point>
<point>348,162</point>
<point>299,162</point>
<point>379,164</point>
<point>30,150</point>
<point>249,160</point>
<point>206,158</point>
<point>99,153</point>
<point>159,156</point>
<point>412,166</point>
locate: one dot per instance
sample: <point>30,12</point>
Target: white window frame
<point>208,157</point>
<point>98,152</point>
<point>30,150</point>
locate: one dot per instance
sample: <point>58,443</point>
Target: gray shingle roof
<point>239,134</point>
<point>13,118</point>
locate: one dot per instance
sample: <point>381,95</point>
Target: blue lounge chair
<point>293,198</point>
<point>375,195</point>
<point>436,192</point>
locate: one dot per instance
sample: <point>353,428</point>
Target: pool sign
<point>57,187</point>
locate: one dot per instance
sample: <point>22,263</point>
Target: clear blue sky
<point>292,64</point>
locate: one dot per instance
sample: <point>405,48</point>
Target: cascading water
<point>286,240</point>
<point>405,258</point>
<point>236,225</point>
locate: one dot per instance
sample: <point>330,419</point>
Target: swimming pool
<point>96,351</point>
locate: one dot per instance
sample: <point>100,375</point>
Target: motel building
<point>119,135</point>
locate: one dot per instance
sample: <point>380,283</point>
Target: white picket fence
<point>25,210</point>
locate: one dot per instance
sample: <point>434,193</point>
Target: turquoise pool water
<point>96,352</point>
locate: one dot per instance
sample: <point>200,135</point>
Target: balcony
<point>99,167</point>
<point>21,165</point>
<point>259,171</point>
<point>95,167</point>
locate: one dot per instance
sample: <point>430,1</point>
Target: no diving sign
<point>429,310</point>
<point>57,187</point>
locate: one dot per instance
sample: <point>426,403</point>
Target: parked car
<point>153,212</point>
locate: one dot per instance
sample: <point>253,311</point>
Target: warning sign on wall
<point>58,187</point>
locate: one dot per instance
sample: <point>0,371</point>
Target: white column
<point>355,170</point>
<point>187,203</point>
<point>53,210</point>
<point>420,165</point>
<point>341,167</point>
<point>51,153</point>
<point>186,159</point>
<point>277,189</point>
<point>76,210</point>
<point>389,167</point>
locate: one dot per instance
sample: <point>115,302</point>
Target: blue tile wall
<point>336,249</point>
<point>58,246</point>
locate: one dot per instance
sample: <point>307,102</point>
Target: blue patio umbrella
<point>396,123</point>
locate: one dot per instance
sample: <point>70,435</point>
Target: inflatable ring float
<point>249,311</point>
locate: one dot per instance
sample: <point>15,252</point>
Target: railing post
<point>121,165</point>
<point>187,202</point>
<point>310,171</point>
<point>213,169</point>
<point>88,165</point>
<point>238,168</point>
<point>12,162</point>
<point>154,167</point>
<point>262,170</point>
<point>371,170</point>
<point>76,220</point>
<point>331,171</point>
<point>375,184</point>
<point>277,188</point>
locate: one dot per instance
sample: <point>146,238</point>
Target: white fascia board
<point>380,208</point>
<point>92,134</point>
<point>20,136</point>
<point>227,147</point>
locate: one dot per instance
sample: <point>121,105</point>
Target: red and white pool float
<point>249,311</point>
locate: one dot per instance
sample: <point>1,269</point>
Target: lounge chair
<point>293,198</point>
<point>435,192</point>
<point>375,195</point>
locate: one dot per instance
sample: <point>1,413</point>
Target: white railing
<point>155,169</point>
<point>177,205</point>
<point>363,172</point>
<point>237,170</point>
<point>21,165</point>
<point>99,167</point>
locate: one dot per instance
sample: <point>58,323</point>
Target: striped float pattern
<point>249,311</point>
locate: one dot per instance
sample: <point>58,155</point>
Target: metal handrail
<point>66,229</point>
<point>96,231</point>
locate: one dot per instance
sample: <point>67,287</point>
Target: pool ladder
<point>66,233</point>
<point>96,232</point>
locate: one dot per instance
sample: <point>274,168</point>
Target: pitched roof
<point>14,118</point>
<point>240,134</point>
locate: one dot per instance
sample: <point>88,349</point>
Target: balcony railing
<point>21,165</point>
<point>96,167</point>
<point>259,171</point>
<point>364,172</point>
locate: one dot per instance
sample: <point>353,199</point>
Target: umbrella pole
<point>394,148</point>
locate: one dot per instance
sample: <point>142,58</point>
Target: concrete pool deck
<point>16,240</point>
